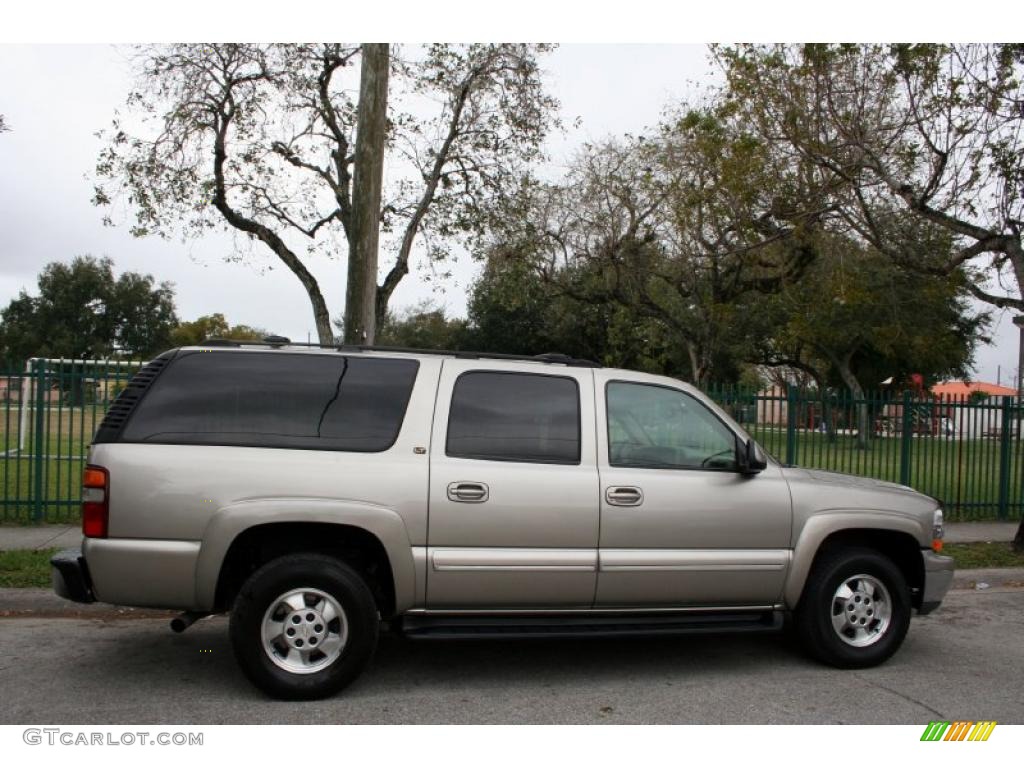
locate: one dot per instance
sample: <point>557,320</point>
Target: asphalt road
<point>964,662</point>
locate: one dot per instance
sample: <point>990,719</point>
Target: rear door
<point>513,487</point>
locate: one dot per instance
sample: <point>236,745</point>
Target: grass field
<point>66,436</point>
<point>67,431</point>
<point>964,473</point>
<point>25,568</point>
<point>984,554</point>
<point>62,480</point>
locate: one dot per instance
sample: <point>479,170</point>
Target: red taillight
<point>95,502</point>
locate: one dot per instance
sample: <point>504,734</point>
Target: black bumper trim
<point>70,576</point>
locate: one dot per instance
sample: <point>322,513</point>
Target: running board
<point>451,627</point>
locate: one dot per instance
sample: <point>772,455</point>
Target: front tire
<point>304,626</point>
<point>855,610</point>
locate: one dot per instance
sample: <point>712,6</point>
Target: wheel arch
<point>892,536</point>
<point>241,537</point>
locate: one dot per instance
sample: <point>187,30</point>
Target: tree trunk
<point>1018,540</point>
<point>863,420</point>
<point>691,350</point>
<point>367,179</point>
<point>827,417</point>
<point>700,365</point>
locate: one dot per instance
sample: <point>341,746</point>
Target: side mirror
<point>750,459</point>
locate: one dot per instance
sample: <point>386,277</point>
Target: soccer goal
<point>60,401</point>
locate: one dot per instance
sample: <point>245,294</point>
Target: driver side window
<point>662,428</point>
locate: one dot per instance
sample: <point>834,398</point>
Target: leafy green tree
<point>424,326</point>
<point>513,309</point>
<point>212,326</point>
<point>83,311</point>
<point>856,317</point>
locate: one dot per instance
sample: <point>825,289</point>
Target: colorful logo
<point>959,730</point>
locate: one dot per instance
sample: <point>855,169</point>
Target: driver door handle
<point>624,496</point>
<point>473,493</point>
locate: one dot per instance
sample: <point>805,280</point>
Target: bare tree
<point>259,139</point>
<point>3,124</point>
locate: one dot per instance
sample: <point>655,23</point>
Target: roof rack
<point>276,342</point>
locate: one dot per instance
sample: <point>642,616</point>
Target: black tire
<point>302,571</point>
<point>814,614</point>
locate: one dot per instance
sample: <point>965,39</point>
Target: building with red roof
<point>961,389</point>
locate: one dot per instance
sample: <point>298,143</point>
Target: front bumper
<point>938,576</point>
<point>70,576</point>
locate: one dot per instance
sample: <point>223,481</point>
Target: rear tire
<point>855,609</point>
<point>304,626</point>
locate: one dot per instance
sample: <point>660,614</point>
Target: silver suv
<point>315,492</point>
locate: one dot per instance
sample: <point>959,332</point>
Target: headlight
<point>937,531</point>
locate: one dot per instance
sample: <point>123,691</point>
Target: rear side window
<point>275,400</point>
<point>515,417</point>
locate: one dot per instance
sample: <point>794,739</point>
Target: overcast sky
<point>56,97</point>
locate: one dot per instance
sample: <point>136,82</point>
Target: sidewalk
<point>40,537</point>
<point>70,536</point>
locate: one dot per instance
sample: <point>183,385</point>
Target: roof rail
<point>219,342</point>
<point>276,342</point>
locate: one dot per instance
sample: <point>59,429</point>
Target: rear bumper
<point>144,573</point>
<point>70,576</point>
<point>938,576</point>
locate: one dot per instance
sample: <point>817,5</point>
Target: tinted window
<point>515,417</point>
<point>277,401</point>
<point>651,426</point>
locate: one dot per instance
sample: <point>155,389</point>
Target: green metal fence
<point>968,453</point>
<point>49,410</point>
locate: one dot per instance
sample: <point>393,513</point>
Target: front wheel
<point>303,626</point>
<point>855,610</point>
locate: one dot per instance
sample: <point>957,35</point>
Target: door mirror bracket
<point>750,459</point>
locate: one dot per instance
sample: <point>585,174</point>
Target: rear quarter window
<point>276,400</point>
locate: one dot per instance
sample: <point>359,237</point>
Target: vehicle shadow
<point>127,654</point>
<point>138,671</point>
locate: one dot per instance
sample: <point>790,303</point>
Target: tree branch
<point>259,231</point>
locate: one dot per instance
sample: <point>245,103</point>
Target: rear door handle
<point>472,493</point>
<point>624,496</point>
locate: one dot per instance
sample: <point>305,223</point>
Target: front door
<point>680,526</point>
<point>514,510</point>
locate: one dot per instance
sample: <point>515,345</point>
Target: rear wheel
<point>304,626</point>
<point>855,610</point>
